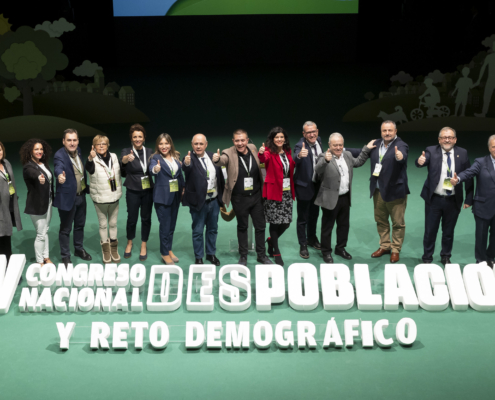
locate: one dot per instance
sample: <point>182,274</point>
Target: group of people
<point>262,184</point>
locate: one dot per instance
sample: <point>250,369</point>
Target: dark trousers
<point>206,217</point>
<point>339,214</point>
<point>245,206</point>
<point>167,216</point>
<point>139,199</point>
<point>482,227</point>
<point>307,218</point>
<point>6,246</point>
<point>446,210</point>
<point>76,216</point>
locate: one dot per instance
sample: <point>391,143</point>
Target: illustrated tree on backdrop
<point>29,58</point>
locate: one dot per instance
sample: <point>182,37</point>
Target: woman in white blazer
<point>105,189</point>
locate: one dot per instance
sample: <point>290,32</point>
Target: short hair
<point>489,140</point>
<point>137,127</point>
<point>447,128</point>
<point>99,138</point>
<point>337,135</point>
<point>309,123</point>
<point>206,140</point>
<point>388,121</point>
<point>3,150</point>
<point>239,132</point>
<point>70,130</point>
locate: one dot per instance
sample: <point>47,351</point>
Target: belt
<point>443,195</point>
<point>210,200</point>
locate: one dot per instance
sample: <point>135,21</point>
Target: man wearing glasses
<point>443,201</point>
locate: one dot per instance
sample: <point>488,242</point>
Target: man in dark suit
<point>389,189</point>
<point>70,196</point>
<point>483,203</point>
<point>203,194</point>
<point>442,201</point>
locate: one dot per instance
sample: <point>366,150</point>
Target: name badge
<point>248,183</point>
<point>378,168</point>
<point>286,184</point>
<point>446,184</point>
<point>145,182</point>
<point>11,188</point>
<point>83,184</point>
<point>212,184</point>
<point>174,185</point>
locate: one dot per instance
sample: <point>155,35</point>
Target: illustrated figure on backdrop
<point>70,195</point>
<point>203,195</point>
<point>462,87</point>
<point>389,189</point>
<point>483,169</point>
<point>430,97</point>
<point>278,188</point>
<point>35,154</point>
<point>105,190</point>
<point>139,189</point>
<point>243,188</point>
<point>443,202</point>
<point>167,192</point>
<point>490,81</point>
<point>335,171</point>
<point>9,206</point>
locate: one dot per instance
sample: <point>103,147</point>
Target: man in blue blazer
<point>203,195</point>
<point>389,189</point>
<point>442,201</point>
<point>483,203</point>
<point>70,195</point>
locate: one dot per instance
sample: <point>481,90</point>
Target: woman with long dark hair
<point>278,189</point>
<point>35,154</point>
<point>167,193</point>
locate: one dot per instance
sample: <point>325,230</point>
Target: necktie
<point>204,163</point>
<point>449,170</point>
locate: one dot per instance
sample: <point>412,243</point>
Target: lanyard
<point>5,175</point>
<point>285,164</point>
<point>339,162</point>
<point>143,163</point>
<point>109,170</point>
<point>171,166</point>
<point>250,164</point>
<point>76,163</point>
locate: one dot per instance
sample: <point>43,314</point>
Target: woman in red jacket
<point>278,189</point>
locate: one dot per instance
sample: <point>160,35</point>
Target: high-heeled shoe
<point>173,256</point>
<point>270,247</point>
<point>278,259</point>
<point>167,260</point>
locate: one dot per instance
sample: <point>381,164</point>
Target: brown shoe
<point>173,256</point>
<point>114,251</point>
<point>380,252</point>
<point>167,260</point>
<point>47,261</point>
<point>105,249</point>
<point>394,257</point>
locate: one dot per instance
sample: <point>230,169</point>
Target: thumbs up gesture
<point>92,153</point>
<point>131,157</point>
<point>304,151</point>
<point>157,167</point>
<point>42,179</point>
<point>61,178</point>
<point>216,156</point>
<point>398,154</point>
<point>187,159</point>
<point>328,155</point>
<point>454,180</point>
<point>422,159</point>
<point>262,148</point>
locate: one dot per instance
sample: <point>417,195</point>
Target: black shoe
<point>82,254</point>
<point>328,258</point>
<point>303,251</point>
<point>278,259</point>
<point>490,263</point>
<point>66,261</point>
<point>242,260</point>
<point>314,243</point>
<point>264,259</point>
<point>445,261</point>
<point>343,254</point>
<point>199,261</point>
<point>270,247</point>
<point>213,260</point>
<point>427,261</point>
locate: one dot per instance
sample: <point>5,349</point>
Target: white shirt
<point>443,175</point>
<point>381,153</point>
<point>315,147</point>
<point>212,171</point>
<point>344,174</point>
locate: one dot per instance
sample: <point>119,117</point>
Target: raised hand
<point>304,151</point>
<point>216,156</point>
<point>92,154</point>
<point>370,145</point>
<point>61,178</point>
<point>454,180</point>
<point>328,155</point>
<point>262,148</point>
<point>398,154</point>
<point>42,179</point>
<point>130,156</point>
<point>187,159</point>
<point>157,167</point>
<point>422,159</point>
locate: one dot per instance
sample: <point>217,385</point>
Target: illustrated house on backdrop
<point>126,93</point>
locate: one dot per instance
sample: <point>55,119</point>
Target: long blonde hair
<point>174,153</point>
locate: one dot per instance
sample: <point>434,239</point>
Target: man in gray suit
<point>335,170</point>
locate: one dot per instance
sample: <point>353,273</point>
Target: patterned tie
<point>204,162</point>
<point>449,170</point>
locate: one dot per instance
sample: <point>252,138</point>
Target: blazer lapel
<point>489,165</point>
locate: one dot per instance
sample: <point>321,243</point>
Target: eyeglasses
<point>447,137</point>
<point>310,132</point>
<point>102,144</point>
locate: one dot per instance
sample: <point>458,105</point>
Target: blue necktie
<point>204,162</point>
<point>449,171</point>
